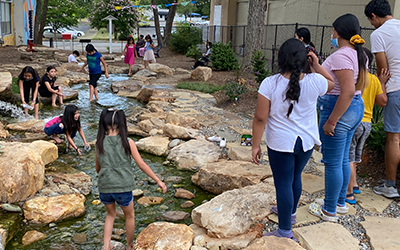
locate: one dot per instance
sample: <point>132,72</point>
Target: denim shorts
<point>391,113</point>
<point>122,199</point>
<point>357,143</point>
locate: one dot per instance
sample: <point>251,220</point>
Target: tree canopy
<point>128,17</point>
<point>62,14</point>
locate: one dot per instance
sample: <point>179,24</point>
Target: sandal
<point>316,210</point>
<point>353,201</point>
<point>356,190</point>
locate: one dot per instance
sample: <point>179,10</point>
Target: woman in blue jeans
<point>286,110</point>
<point>341,111</point>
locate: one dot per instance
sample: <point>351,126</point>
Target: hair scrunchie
<point>356,39</point>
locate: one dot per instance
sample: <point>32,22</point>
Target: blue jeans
<point>56,129</point>
<point>335,149</point>
<point>286,168</point>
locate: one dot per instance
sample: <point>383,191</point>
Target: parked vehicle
<point>144,24</point>
<point>49,32</point>
<point>78,32</point>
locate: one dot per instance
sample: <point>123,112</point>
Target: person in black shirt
<point>28,82</point>
<point>48,89</point>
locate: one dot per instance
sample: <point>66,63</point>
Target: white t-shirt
<point>71,58</point>
<point>281,132</point>
<point>387,39</point>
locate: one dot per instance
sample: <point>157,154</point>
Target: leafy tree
<point>127,17</point>
<point>185,9</point>
<point>85,5</point>
<point>62,14</point>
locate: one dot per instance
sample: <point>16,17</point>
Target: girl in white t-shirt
<point>286,109</point>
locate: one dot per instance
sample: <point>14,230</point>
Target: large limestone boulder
<point>182,120</point>
<point>145,73</point>
<point>240,153</point>
<point>73,178</point>
<point>146,125</point>
<point>69,67</point>
<point>5,85</point>
<point>76,77</point>
<point>163,236</point>
<point>234,212</point>
<point>135,130</point>
<point>112,69</point>
<point>22,168</point>
<point>43,210</point>
<point>33,125</point>
<point>177,132</point>
<point>69,94</point>
<point>194,154</point>
<point>160,68</point>
<point>274,243</point>
<point>155,145</point>
<point>151,94</point>
<point>201,74</point>
<point>201,239</point>
<point>218,177</point>
<point>127,85</point>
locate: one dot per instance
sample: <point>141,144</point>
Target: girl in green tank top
<point>116,176</point>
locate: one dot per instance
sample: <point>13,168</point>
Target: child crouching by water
<point>69,123</point>
<point>116,175</point>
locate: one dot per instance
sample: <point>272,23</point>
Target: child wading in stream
<point>116,174</point>
<point>67,124</point>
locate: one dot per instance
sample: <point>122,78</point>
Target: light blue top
<point>147,45</point>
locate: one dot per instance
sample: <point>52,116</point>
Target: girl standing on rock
<point>69,123</point>
<point>149,54</point>
<point>116,175</point>
<point>286,110</point>
<point>28,81</point>
<point>48,89</point>
<point>130,54</point>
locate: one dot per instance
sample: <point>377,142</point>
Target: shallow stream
<point>59,235</point>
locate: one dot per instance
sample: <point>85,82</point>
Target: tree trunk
<point>168,25</point>
<point>157,22</point>
<point>255,28</point>
<point>37,20</point>
<point>43,21</point>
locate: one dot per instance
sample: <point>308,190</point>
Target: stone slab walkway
<point>372,202</point>
<point>384,232</point>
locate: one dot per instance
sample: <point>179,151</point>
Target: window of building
<point>5,18</point>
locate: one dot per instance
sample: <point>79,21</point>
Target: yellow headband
<point>356,39</point>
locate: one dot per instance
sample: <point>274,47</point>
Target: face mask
<point>29,79</point>
<point>334,42</point>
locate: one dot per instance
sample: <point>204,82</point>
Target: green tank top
<point>116,170</point>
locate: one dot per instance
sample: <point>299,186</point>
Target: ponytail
<point>362,79</point>
<point>293,91</point>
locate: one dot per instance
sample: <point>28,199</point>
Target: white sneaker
<point>339,209</point>
<point>388,192</point>
<point>214,138</point>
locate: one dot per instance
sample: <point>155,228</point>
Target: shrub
<point>14,85</point>
<point>200,86</point>
<point>193,52</point>
<point>377,138</point>
<point>258,62</point>
<point>234,89</point>
<point>184,37</point>
<point>223,57</point>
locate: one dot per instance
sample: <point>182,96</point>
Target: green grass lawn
<point>102,34</point>
<point>200,86</point>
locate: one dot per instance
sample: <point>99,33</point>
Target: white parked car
<point>49,32</point>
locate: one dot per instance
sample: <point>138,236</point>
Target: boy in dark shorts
<point>93,61</point>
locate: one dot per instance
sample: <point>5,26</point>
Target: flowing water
<point>59,235</point>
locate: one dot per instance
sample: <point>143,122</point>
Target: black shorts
<point>93,79</point>
<point>28,88</point>
<point>45,92</point>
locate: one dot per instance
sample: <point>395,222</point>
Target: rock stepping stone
<point>326,236</point>
<point>371,201</point>
<point>240,153</point>
<point>317,157</point>
<point>79,238</point>
<point>174,216</point>
<point>150,200</point>
<point>32,236</point>
<point>273,243</point>
<point>312,183</point>
<point>383,232</point>
<point>185,194</point>
<point>137,192</point>
<point>11,208</point>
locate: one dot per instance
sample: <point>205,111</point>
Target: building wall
<point>9,39</point>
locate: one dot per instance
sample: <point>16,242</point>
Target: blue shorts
<point>391,113</point>
<point>57,129</point>
<point>122,199</point>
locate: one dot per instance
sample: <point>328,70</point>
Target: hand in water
<point>162,186</point>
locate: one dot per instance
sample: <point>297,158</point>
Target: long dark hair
<point>347,26</point>
<point>292,58</point>
<point>71,126</point>
<point>112,118</point>
<point>149,37</point>
<point>130,38</point>
<point>28,69</point>
<point>306,35</point>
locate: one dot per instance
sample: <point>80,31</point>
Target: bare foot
<point>57,139</point>
<point>129,247</point>
<point>61,103</point>
<point>54,105</point>
<point>90,100</point>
